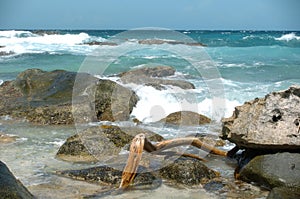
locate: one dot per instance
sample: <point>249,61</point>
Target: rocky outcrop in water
<point>187,171</point>
<point>100,43</point>
<point>154,76</point>
<point>274,170</point>
<point>49,98</point>
<point>100,143</point>
<point>10,187</point>
<point>187,118</point>
<point>270,123</point>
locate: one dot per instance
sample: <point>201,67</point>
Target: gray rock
<point>153,76</point>
<point>187,171</point>
<point>112,175</point>
<point>271,122</point>
<point>100,143</point>
<point>10,187</point>
<point>275,170</point>
<point>186,118</point>
<point>284,193</point>
<point>60,97</point>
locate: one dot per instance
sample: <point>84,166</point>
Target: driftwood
<point>140,143</point>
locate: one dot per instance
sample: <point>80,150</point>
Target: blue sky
<point>172,14</point>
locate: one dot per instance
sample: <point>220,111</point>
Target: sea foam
<point>288,37</point>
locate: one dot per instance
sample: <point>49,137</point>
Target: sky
<point>171,14</point>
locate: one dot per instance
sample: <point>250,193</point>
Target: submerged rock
<point>10,187</point>
<point>187,171</point>
<point>186,118</point>
<point>153,76</point>
<point>112,175</point>
<point>271,123</point>
<point>100,143</point>
<point>274,170</point>
<point>60,97</point>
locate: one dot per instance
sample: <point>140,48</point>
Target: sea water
<point>247,64</point>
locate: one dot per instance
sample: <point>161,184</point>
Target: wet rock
<point>60,97</point>
<point>284,193</point>
<point>112,175</point>
<point>10,187</point>
<point>153,76</point>
<point>100,143</point>
<point>98,43</point>
<point>6,53</point>
<point>186,118</point>
<point>187,171</point>
<point>45,32</point>
<point>269,123</point>
<point>274,170</point>
<point>172,42</point>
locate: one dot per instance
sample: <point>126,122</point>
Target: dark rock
<point>186,118</point>
<point>152,76</point>
<point>112,175</point>
<point>45,32</point>
<point>10,187</point>
<point>266,123</point>
<point>275,170</point>
<point>60,97</point>
<point>99,43</point>
<point>187,171</point>
<point>284,193</point>
<point>5,53</point>
<point>172,42</point>
<point>100,143</point>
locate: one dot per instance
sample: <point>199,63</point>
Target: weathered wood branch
<point>134,158</point>
<point>140,143</point>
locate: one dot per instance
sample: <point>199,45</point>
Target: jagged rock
<point>274,170</point>
<point>100,143</point>
<point>99,43</point>
<point>187,171</point>
<point>153,76</point>
<point>10,187</point>
<point>269,123</point>
<point>172,42</point>
<point>186,118</point>
<point>49,98</point>
<point>284,193</point>
<point>112,175</point>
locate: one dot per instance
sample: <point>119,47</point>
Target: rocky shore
<point>265,131</point>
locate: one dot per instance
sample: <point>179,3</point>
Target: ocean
<point>227,69</point>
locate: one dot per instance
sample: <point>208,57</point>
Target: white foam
<point>21,42</point>
<point>288,37</point>
<point>1,82</point>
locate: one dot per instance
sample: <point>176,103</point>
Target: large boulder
<point>284,193</point>
<point>154,76</point>
<point>60,97</point>
<point>10,187</point>
<point>186,118</point>
<point>274,170</point>
<point>271,122</point>
<point>100,143</point>
<point>187,171</point>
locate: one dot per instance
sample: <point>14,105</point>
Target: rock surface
<point>4,139</point>
<point>187,171</point>
<point>271,122</point>
<point>10,187</point>
<point>46,98</point>
<point>112,175</point>
<point>154,76</point>
<point>274,170</point>
<point>284,193</point>
<point>100,143</point>
<point>187,118</point>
